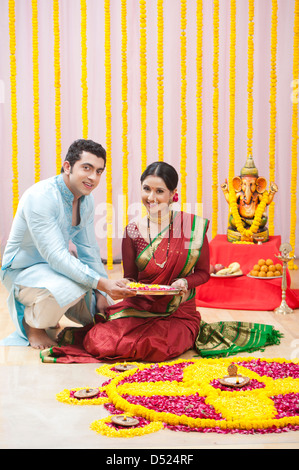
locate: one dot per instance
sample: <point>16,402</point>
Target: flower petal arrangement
<point>186,395</point>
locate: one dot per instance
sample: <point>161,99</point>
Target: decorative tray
<point>224,276</point>
<point>150,289</point>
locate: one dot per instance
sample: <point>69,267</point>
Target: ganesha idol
<point>248,199</point>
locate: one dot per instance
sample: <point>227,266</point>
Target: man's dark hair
<point>75,150</point>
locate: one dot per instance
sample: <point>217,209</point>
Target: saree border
<point>132,312</point>
<point>194,245</point>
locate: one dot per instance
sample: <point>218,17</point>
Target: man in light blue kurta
<point>43,278</point>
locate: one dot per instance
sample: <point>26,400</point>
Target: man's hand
<point>102,303</point>
<point>117,289</point>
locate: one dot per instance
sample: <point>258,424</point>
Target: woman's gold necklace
<point>158,219</point>
<point>161,265</point>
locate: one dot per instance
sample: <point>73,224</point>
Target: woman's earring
<point>175,197</point>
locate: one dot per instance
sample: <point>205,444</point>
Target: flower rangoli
<point>186,395</point>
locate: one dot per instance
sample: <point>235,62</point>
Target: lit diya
<point>86,393</point>
<point>123,420</point>
<point>233,379</point>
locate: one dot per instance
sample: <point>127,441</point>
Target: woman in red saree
<point>166,248</point>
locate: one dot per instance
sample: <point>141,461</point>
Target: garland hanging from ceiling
<point>160,78</point>
<point>84,69</point>
<point>273,83</point>
<point>108,133</point>
<point>199,27</point>
<point>215,117</point>
<point>57,74</point>
<point>35,74</point>
<point>232,91</point>
<point>143,81</point>
<point>183,173</point>
<point>13,97</point>
<point>124,97</point>
<point>250,60</point>
<point>293,188</point>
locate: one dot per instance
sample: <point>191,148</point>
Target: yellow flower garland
<point>143,80</point>
<point>57,83</point>
<point>124,95</point>
<point>108,133</point>
<point>13,97</point>
<point>199,27</point>
<point>273,82</point>
<point>84,69</point>
<point>293,188</point>
<point>215,118</point>
<point>183,173</point>
<point>250,76</point>
<point>35,89</point>
<point>160,78</point>
<point>232,90</point>
<point>248,233</point>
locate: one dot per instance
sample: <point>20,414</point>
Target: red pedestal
<point>244,293</point>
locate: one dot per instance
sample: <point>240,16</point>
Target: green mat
<point>230,338</point>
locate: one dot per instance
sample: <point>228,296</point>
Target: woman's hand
<point>181,284</point>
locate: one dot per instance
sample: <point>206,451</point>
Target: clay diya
<point>123,367</point>
<point>86,393</point>
<point>233,379</point>
<point>123,420</point>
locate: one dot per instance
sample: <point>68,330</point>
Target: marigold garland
<point>13,98</point>
<point>108,133</point>
<point>259,406</point>
<point>215,117</point>
<point>250,53</point>
<point>124,96</point>
<point>35,89</point>
<point>160,79</point>
<point>143,81</point>
<point>232,91</point>
<point>293,188</point>
<point>183,173</point>
<point>248,233</point>
<point>199,28</point>
<point>57,84</point>
<point>273,83</point>
<point>84,68</point>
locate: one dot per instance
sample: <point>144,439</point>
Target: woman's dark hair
<point>76,148</point>
<point>163,170</point>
